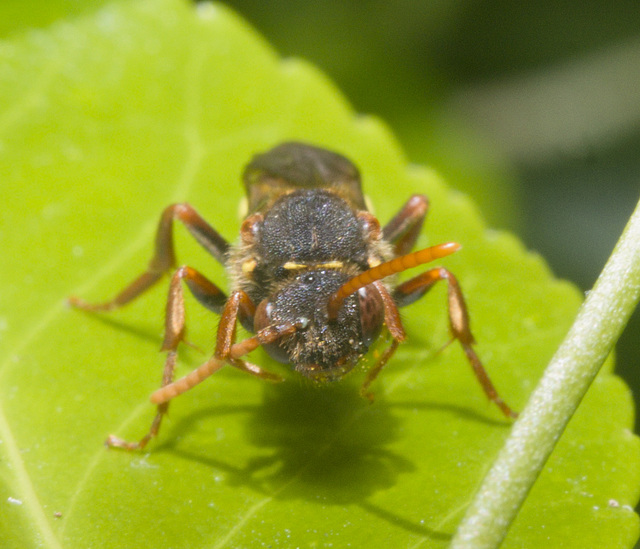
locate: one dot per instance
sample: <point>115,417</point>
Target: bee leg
<point>394,325</point>
<point>375,370</point>
<point>238,307</point>
<point>236,351</point>
<point>164,256</point>
<point>404,228</point>
<point>413,289</point>
<point>167,377</point>
<point>211,297</point>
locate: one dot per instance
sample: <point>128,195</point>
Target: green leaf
<point>108,119</point>
<point>16,15</point>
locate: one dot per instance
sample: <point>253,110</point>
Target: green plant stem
<point>598,325</point>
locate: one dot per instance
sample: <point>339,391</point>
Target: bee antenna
<point>388,268</point>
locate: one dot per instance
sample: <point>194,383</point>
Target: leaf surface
<point>106,120</point>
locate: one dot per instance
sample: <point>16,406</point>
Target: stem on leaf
<point>599,323</point>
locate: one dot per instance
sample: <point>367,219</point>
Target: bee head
<point>322,349</point>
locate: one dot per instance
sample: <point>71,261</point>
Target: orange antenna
<point>386,269</point>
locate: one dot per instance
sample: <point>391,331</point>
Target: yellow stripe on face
<point>292,266</point>
<point>331,265</point>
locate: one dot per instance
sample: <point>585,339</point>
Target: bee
<point>311,277</point>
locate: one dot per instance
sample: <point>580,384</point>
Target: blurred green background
<point>532,108</point>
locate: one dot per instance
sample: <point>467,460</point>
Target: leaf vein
<point>192,164</point>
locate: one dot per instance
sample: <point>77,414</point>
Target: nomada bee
<point>311,277</point>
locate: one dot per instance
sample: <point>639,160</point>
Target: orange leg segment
<point>164,259</point>
<point>404,228</point>
<point>238,305</point>
<point>174,333</point>
<point>413,289</point>
<point>394,325</point>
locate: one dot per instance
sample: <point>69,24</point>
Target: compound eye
<point>262,318</point>
<point>371,314</point>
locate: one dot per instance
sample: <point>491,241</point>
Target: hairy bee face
<point>322,350</point>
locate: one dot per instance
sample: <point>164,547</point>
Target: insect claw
<point>116,442</point>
